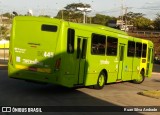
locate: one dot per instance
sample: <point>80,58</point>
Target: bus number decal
<point>48,54</point>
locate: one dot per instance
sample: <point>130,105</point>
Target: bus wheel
<point>101,81</point>
<point>140,78</point>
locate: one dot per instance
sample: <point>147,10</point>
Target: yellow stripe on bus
<point>44,70</point>
<point>21,67</point>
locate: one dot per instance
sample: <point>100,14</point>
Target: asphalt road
<point>21,93</point>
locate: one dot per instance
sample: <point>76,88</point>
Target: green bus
<point>72,54</point>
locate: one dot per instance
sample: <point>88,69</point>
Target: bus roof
<point>93,26</point>
<point>96,26</point>
<point>106,28</point>
<point>43,19</point>
<point>101,27</point>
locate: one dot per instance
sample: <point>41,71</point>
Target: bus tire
<point>141,78</point>
<point>100,81</point>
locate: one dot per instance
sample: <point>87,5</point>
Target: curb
<point>155,73</point>
<point>150,93</point>
<point>3,67</point>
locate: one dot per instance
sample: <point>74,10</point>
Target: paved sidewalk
<point>156,73</point>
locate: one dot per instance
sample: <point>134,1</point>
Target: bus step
<point>119,80</point>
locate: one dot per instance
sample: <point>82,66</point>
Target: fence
<point>4,50</point>
<point>4,54</point>
<point>145,34</point>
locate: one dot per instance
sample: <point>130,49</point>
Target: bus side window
<point>131,49</point>
<point>70,40</point>
<point>138,49</point>
<point>112,46</point>
<point>144,51</point>
<point>98,44</point>
<point>49,28</point>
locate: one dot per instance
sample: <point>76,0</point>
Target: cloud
<point>154,5</point>
<point>149,2</point>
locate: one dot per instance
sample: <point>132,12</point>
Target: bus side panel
<point>94,66</point>
<point>112,68</point>
<point>91,79</point>
<point>136,68</point>
<point>75,66</point>
<point>97,63</point>
<point>126,71</point>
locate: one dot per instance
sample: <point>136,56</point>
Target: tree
<point>157,22</point>
<point>142,23</point>
<point>74,6</point>
<point>70,13</point>
<point>70,16</point>
<point>130,17</point>
<point>138,20</point>
<point>102,19</point>
<point>47,16</point>
<point>4,31</point>
<point>8,15</point>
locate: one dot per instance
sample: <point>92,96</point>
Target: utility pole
<point>84,16</point>
<point>122,11</point>
<point>124,19</point>
<point>126,8</point>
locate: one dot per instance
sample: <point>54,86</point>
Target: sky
<point>107,7</point>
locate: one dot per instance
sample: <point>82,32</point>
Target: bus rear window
<point>49,28</point>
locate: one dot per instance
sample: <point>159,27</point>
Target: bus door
<point>121,61</point>
<point>149,61</point>
<point>81,64</point>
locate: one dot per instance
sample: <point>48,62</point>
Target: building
<point>119,24</point>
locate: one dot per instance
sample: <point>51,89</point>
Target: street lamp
<point>84,10</point>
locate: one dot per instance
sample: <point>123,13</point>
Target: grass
<point>151,93</point>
